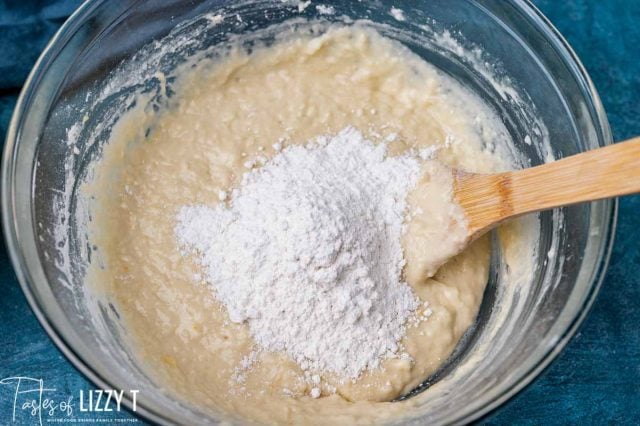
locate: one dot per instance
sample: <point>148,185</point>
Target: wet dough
<point>230,110</point>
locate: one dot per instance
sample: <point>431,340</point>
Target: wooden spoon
<point>489,199</point>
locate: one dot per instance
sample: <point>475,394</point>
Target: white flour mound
<point>308,252</point>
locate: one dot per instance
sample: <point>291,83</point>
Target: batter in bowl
<point>231,116</point>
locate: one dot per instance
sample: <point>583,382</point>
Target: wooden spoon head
<point>437,230</point>
<point>484,198</point>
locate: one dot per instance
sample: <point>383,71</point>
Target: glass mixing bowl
<point>506,51</point>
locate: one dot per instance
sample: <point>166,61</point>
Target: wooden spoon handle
<point>601,173</point>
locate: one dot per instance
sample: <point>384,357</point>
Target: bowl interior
<point>504,51</point>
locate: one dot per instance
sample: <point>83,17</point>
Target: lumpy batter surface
<point>228,111</point>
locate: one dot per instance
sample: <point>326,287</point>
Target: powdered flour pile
<point>308,252</point>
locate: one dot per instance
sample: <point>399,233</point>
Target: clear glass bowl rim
<point>17,255</point>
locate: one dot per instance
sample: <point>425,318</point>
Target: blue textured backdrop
<point>595,380</point>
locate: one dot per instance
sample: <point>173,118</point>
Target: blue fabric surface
<point>25,28</point>
<point>595,380</point>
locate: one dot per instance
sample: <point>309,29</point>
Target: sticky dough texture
<point>234,109</point>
